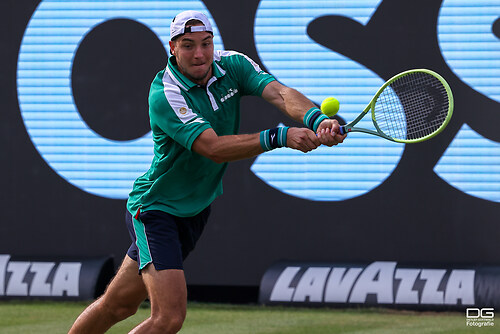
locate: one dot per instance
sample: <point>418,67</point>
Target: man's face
<point>194,54</point>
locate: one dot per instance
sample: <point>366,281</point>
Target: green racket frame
<point>371,107</point>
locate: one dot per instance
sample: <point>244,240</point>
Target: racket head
<point>413,106</point>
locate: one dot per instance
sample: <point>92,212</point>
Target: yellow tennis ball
<point>330,106</point>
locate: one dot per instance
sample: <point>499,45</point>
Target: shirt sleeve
<point>252,78</point>
<point>170,114</point>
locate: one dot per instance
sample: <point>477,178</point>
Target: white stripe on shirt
<point>176,100</point>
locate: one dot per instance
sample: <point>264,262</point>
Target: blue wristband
<point>313,117</point>
<point>273,138</point>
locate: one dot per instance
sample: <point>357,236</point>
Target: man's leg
<point>122,298</point>
<point>168,297</point>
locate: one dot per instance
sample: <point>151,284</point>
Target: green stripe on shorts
<point>142,244</point>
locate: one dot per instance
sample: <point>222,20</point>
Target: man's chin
<point>199,75</point>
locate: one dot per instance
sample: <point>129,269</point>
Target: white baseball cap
<point>177,27</point>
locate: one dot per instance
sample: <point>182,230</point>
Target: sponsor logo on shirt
<point>198,120</point>
<point>230,93</point>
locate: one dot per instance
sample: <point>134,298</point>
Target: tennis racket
<point>411,107</point>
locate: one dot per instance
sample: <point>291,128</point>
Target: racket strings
<point>412,107</point>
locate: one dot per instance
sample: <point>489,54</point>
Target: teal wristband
<point>264,141</point>
<point>273,138</point>
<point>282,133</point>
<point>320,119</point>
<point>313,117</point>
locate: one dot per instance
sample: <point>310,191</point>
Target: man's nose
<point>198,52</point>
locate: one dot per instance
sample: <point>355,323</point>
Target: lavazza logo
<point>480,317</point>
<point>38,279</point>
<point>377,283</point>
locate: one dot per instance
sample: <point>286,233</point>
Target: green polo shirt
<point>180,181</point>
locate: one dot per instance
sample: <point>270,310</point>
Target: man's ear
<point>171,44</point>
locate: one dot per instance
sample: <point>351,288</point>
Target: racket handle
<point>342,130</point>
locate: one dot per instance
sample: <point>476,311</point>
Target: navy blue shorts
<point>163,239</point>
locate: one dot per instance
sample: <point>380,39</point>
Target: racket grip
<point>342,130</point>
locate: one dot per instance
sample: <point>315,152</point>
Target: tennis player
<point>194,112</point>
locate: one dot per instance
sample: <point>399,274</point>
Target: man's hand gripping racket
<point>411,107</point>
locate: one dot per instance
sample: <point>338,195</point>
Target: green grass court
<point>52,317</point>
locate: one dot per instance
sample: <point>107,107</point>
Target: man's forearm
<point>295,103</point>
<point>236,147</point>
<point>227,148</point>
<point>288,100</point>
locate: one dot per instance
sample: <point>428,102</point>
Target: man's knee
<point>171,323</point>
<point>118,310</point>
<point>124,311</point>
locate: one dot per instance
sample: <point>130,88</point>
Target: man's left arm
<point>296,105</point>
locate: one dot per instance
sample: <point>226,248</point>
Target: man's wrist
<point>273,138</point>
<point>313,117</point>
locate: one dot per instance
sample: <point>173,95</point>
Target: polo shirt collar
<point>183,82</point>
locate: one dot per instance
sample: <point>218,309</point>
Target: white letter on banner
<point>460,286</point>
<point>16,285</point>
<point>405,293</point>
<point>39,285</point>
<point>430,292</point>
<point>311,285</point>
<point>67,278</point>
<point>378,279</point>
<point>282,292</point>
<point>295,59</point>
<point>339,285</point>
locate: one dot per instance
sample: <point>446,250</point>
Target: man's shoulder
<point>230,57</point>
<point>157,83</point>
<point>161,86</point>
<point>234,59</point>
<point>226,54</point>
